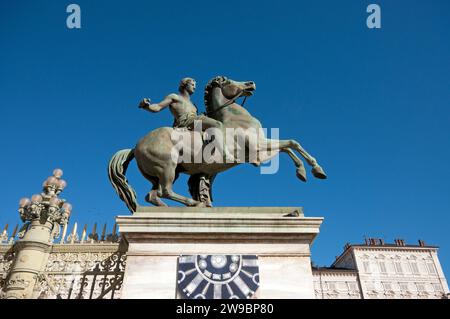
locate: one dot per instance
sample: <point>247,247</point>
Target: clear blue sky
<point>371,105</point>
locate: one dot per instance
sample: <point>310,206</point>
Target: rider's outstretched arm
<point>156,107</point>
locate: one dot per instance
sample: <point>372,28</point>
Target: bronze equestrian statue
<point>157,161</point>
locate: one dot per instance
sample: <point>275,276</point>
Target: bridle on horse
<point>229,102</point>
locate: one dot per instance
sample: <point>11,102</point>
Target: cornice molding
<point>87,248</point>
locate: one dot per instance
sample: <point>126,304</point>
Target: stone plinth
<point>280,236</point>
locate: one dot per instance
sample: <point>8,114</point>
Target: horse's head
<point>221,90</point>
<point>231,88</point>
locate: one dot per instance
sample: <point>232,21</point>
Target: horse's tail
<point>117,169</point>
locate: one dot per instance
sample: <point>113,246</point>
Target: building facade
<point>91,265</point>
<point>376,270</point>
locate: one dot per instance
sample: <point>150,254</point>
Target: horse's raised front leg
<point>317,171</point>
<point>301,172</point>
<point>268,148</point>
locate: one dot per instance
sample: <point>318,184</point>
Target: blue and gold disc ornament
<point>218,276</point>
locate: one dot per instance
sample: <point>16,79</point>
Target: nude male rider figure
<point>180,105</point>
<point>183,110</point>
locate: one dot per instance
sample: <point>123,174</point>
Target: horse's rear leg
<point>166,182</point>
<point>153,196</point>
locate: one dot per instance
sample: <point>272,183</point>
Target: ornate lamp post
<point>42,216</point>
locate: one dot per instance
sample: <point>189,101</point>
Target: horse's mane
<point>215,82</point>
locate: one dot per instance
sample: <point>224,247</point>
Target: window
<point>403,286</point>
<point>382,266</point>
<point>398,267</point>
<point>414,268</point>
<point>341,286</point>
<point>390,268</point>
<point>437,287</point>
<point>387,286</point>
<point>431,268</point>
<point>331,286</point>
<point>352,286</point>
<point>406,267</point>
<point>420,287</point>
<point>366,266</point>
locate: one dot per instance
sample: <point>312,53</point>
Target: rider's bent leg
<point>218,132</point>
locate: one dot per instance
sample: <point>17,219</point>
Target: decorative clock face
<point>218,276</point>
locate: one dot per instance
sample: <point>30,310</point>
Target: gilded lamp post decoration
<point>42,215</point>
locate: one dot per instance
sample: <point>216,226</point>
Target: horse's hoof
<point>318,172</point>
<point>192,203</point>
<point>200,204</point>
<point>301,174</point>
<point>207,203</point>
<point>160,203</point>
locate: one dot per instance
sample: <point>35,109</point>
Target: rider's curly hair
<point>184,82</point>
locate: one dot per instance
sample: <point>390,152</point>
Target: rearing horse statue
<point>157,162</point>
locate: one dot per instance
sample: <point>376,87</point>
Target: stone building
<point>91,265</point>
<point>377,270</point>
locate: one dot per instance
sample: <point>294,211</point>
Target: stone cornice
<point>395,248</point>
<point>336,273</point>
<point>384,248</point>
<point>86,247</point>
<point>226,223</point>
<point>237,210</point>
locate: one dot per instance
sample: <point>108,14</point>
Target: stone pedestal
<point>280,236</point>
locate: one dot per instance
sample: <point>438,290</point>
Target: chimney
<point>421,243</point>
